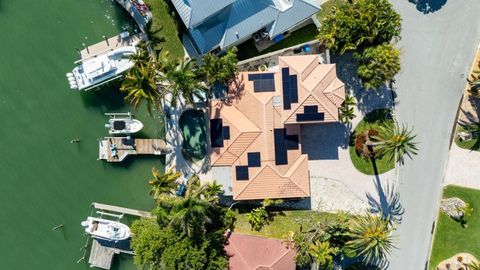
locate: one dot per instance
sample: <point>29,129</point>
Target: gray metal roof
<point>193,12</point>
<point>241,19</point>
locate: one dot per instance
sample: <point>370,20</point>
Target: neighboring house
<point>215,25</point>
<point>248,252</point>
<point>256,135</point>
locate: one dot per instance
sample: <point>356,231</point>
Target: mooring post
<point>86,47</point>
<point>106,40</point>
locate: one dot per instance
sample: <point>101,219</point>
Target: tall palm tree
<point>163,184</point>
<point>219,69</point>
<point>322,254</point>
<point>372,238</point>
<point>190,215</point>
<point>179,78</point>
<point>395,142</point>
<point>140,85</point>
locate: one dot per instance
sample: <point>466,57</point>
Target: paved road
<point>437,51</point>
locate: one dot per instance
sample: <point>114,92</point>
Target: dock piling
<point>106,40</point>
<point>86,47</point>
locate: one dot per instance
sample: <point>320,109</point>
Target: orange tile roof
<point>252,118</point>
<point>248,252</point>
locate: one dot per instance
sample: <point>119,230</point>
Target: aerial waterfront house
<point>256,132</point>
<point>214,25</point>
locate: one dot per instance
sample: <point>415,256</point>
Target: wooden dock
<point>100,256</point>
<point>116,149</point>
<point>109,45</point>
<point>122,210</point>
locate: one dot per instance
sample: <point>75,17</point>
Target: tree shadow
<point>388,202</point>
<point>428,6</point>
<point>367,99</point>
<point>323,140</point>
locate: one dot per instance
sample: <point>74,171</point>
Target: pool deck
<point>109,44</point>
<point>125,147</point>
<point>174,159</point>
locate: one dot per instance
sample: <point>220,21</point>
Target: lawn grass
<point>450,237</point>
<point>284,223</point>
<point>473,144</point>
<point>162,18</point>
<point>371,120</point>
<point>307,33</point>
<point>327,7</point>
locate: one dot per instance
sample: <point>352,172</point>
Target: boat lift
<point>101,256</point>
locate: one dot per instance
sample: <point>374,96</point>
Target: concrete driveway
<point>438,44</point>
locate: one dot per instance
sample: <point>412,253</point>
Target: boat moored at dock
<point>105,229</point>
<point>123,123</point>
<point>101,68</point>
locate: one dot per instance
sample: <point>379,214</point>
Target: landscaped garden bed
<point>451,237</point>
<point>371,123</point>
<point>284,223</point>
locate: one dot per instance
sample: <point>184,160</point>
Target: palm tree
<point>347,112</point>
<point>140,85</point>
<point>322,254</point>
<point>372,238</point>
<point>190,215</point>
<point>179,79</point>
<point>219,69</point>
<point>163,184</point>
<point>212,191</point>
<point>394,142</point>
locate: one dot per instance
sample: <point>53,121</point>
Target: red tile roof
<point>248,252</point>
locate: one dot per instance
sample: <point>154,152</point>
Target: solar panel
<point>226,133</point>
<point>267,76</point>
<point>216,132</point>
<point>264,85</point>
<point>310,109</point>
<point>241,172</point>
<point>281,157</point>
<point>310,117</point>
<point>286,88</point>
<point>254,159</point>
<point>293,89</point>
<point>292,142</point>
<point>253,77</point>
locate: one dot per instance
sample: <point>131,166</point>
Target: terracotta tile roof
<point>249,252</point>
<point>252,117</point>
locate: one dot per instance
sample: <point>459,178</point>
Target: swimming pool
<point>192,125</point>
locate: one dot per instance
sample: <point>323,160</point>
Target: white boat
<point>105,229</point>
<point>102,68</point>
<point>122,123</point>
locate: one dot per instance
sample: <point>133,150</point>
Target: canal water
<point>44,179</point>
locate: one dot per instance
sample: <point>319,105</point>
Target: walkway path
<point>463,168</point>
<point>437,49</point>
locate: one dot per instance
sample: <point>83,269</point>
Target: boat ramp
<point>116,149</point>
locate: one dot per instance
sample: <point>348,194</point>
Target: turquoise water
<point>46,180</point>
